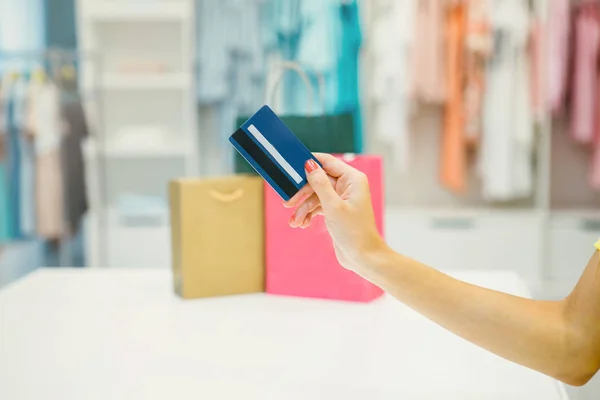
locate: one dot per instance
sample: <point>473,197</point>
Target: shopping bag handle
<point>226,197</point>
<point>295,67</point>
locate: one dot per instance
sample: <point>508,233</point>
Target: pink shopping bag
<point>302,262</point>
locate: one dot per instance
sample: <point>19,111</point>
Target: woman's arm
<point>558,338</point>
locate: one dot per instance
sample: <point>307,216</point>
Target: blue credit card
<point>273,151</point>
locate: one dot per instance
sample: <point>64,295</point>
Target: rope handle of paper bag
<point>295,67</point>
<point>227,197</point>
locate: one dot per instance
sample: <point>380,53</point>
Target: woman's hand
<point>340,193</point>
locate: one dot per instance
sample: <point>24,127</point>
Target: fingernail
<point>311,165</point>
<point>292,218</point>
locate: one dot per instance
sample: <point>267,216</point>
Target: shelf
<point>575,213</point>
<point>158,10</point>
<point>165,152</point>
<point>123,241</point>
<point>173,152</point>
<point>585,222</point>
<point>147,82</point>
<point>461,212</point>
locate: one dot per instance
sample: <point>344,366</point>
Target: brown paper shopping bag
<point>217,236</point>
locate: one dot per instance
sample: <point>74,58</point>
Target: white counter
<point>120,334</point>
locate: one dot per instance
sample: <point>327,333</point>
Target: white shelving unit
<point>144,79</point>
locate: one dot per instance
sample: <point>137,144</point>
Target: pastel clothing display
<point>559,19</point>
<point>453,168</point>
<point>230,51</point>
<point>13,167</point>
<point>26,160</point>
<point>4,210</point>
<point>390,47</point>
<point>324,39</point>
<point>537,70</point>
<point>42,173</point>
<point>478,47</point>
<point>572,91</point>
<point>428,75</point>
<point>506,166</point>
<point>586,34</point>
<point>49,181</point>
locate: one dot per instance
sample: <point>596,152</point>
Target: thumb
<point>319,182</point>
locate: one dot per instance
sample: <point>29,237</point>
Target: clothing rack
<point>53,62</point>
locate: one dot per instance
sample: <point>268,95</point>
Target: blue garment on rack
<point>14,173</point>
<point>318,53</point>
<point>324,38</point>
<point>27,188</point>
<point>282,25</point>
<point>348,66</point>
<point>231,61</point>
<point>307,33</point>
<point>26,163</point>
<point>230,52</point>
<point>4,211</point>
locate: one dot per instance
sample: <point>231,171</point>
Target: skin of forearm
<point>582,313</point>
<point>536,334</point>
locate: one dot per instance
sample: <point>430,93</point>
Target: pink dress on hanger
<point>558,52</point>
<point>585,72</point>
<point>428,59</point>
<point>536,67</point>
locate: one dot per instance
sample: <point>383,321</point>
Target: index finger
<point>307,190</point>
<point>332,165</point>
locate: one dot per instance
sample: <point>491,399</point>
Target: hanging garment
<point>282,22</point>
<point>391,43</point>
<point>230,51</point>
<point>14,166</point>
<point>22,96</point>
<point>231,60</point>
<point>49,179</point>
<point>4,211</point>
<point>319,49</point>
<point>594,174</point>
<point>507,143</point>
<point>214,58</point>
<point>348,74</point>
<point>4,233</point>
<point>536,69</point>
<point>453,165</point>
<point>538,52</point>
<point>73,171</point>
<point>478,47</point>
<point>428,68</point>
<point>249,60</point>
<point>585,71</point>
<point>559,20</point>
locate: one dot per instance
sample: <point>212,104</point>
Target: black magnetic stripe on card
<point>262,159</point>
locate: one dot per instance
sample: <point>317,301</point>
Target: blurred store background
<point>486,119</point>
